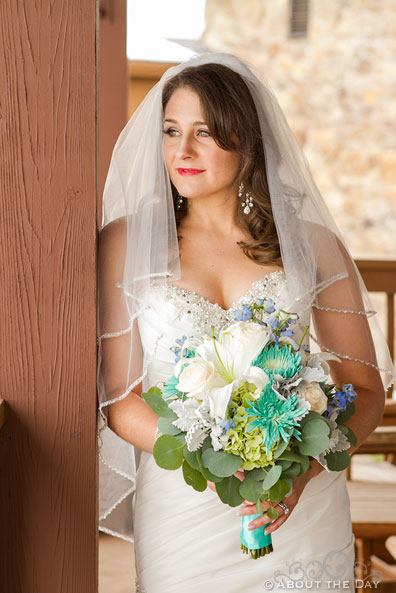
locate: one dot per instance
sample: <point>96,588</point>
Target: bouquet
<point>252,398</point>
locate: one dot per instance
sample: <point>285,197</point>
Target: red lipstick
<point>189,171</point>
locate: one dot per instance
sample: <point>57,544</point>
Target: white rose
<point>245,331</point>
<point>195,377</point>
<point>313,394</point>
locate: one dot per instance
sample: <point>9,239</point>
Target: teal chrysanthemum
<point>169,390</point>
<point>278,361</point>
<point>274,416</point>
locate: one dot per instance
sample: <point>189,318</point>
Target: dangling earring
<point>179,201</point>
<point>247,202</point>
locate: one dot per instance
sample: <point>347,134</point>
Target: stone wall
<point>337,87</point>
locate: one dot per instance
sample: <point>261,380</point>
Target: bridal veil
<point>138,201</point>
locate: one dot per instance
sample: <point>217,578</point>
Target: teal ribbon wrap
<point>255,539</point>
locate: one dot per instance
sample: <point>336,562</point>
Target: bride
<point>209,203</point>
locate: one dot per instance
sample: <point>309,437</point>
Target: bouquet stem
<point>255,542</point>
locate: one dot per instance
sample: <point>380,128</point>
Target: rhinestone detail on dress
<point>204,314</point>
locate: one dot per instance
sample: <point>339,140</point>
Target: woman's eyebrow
<point>195,123</point>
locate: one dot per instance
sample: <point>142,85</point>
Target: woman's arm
<point>121,360</point>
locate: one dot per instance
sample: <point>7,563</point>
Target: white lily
<point>232,354</point>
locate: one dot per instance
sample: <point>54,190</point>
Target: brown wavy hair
<point>229,110</point>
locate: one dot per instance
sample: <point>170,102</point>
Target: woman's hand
<point>249,508</point>
<point>240,474</point>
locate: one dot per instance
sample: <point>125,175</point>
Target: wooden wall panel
<point>48,507</point>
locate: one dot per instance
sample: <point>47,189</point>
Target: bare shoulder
<point>112,239</point>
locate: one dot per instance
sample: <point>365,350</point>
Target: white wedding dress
<point>188,541</point>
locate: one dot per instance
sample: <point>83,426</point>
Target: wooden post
<point>113,81</point>
<point>48,500</point>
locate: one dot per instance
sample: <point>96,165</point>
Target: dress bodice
<point>172,312</point>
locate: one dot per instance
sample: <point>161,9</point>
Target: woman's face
<point>197,166</point>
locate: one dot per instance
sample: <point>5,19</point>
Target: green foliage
<point>292,471</point>
<point>281,447</point>
<point>338,460</point>
<point>272,512</point>
<point>344,416</point>
<point>228,491</point>
<point>220,463</point>
<point>284,463</point>
<point>160,407</point>
<point>193,477</point>
<point>165,426</point>
<point>168,452</point>
<point>250,488</point>
<point>279,491</point>
<point>315,437</point>
<point>350,435</point>
<point>272,477</point>
<point>156,390</point>
<point>191,458</point>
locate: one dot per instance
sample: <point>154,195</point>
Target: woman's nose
<point>185,147</point>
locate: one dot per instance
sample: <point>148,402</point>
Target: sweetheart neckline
<point>185,291</point>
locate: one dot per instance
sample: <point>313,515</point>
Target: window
<point>299,18</point>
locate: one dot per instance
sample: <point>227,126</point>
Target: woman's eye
<point>170,132</point>
<point>204,133</point>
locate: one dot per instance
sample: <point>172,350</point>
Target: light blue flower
<point>243,315</point>
<point>180,351</point>
<point>277,418</point>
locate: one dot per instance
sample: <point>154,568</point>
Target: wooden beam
<point>48,510</point>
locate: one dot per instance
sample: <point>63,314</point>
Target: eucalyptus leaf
<point>272,512</point>
<point>290,482</point>
<point>338,460</point>
<point>193,477</point>
<point>305,465</point>
<point>207,444</point>
<point>346,414</point>
<point>284,463</point>
<point>160,407</point>
<point>315,437</point>
<point>308,417</point>
<point>350,435</point>
<point>168,452</point>
<point>191,458</point>
<point>250,488</point>
<point>280,449</point>
<point>165,426</point>
<point>272,477</point>
<point>228,491</point>
<point>291,456</point>
<point>220,463</point>
<point>204,470</point>
<point>257,473</point>
<point>209,476</point>
<point>279,491</point>
<point>292,472</point>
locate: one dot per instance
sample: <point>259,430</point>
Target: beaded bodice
<point>203,314</point>
<point>173,312</point>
